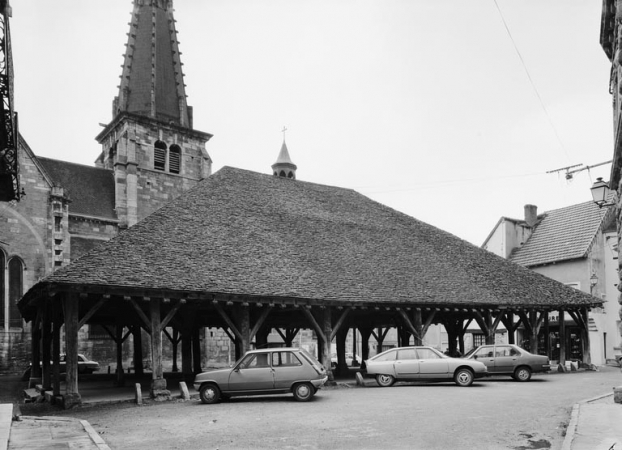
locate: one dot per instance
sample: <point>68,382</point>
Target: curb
<point>93,435</point>
<point>574,420</point>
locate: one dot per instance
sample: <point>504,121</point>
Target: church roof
<point>152,82</point>
<point>90,189</point>
<point>561,234</point>
<point>248,234</point>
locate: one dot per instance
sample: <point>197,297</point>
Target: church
<point>151,153</point>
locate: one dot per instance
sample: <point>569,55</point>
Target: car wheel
<point>522,374</point>
<point>303,392</point>
<point>209,393</point>
<point>464,377</point>
<point>385,380</point>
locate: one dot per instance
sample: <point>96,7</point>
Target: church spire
<point>152,82</point>
<point>284,167</point>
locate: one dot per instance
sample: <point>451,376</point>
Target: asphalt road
<point>495,414</point>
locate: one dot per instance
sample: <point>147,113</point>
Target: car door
<point>253,373</point>
<point>486,354</point>
<point>505,359</point>
<point>431,364</point>
<point>288,368</point>
<point>407,363</point>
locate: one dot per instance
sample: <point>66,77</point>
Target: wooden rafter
<point>409,324</point>
<point>228,320</point>
<point>142,315</point>
<point>317,327</point>
<point>92,311</point>
<point>260,322</point>
<point>339,322</point>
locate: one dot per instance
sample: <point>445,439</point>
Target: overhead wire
<point>533,84</point>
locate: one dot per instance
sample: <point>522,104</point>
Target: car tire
<point>522,373</point>
<point>209,394</point>
<point>385,380</point>
<point>303,392</point>
<point>464,377</point>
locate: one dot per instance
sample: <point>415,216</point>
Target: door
<point>288,368</point>
<point>505,359</point>
<point>253,373</point>
<point>486,354</point>
<point>431,364</point>
<point>407,364</point>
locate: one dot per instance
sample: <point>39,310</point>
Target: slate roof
<point>248,234</point>
<point>561,234</point>
<point>91,189</point>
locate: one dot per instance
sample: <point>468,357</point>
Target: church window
<point>174,159</point>
<point>159,155</point>
<point>16,289</point>
<point>282,173</point>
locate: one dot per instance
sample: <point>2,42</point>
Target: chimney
<point>531,215</point>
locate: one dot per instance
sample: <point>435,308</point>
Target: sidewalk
<point>595,424</point>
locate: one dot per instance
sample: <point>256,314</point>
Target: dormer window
<point>159,155</point>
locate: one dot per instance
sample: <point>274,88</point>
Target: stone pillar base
<point>617,394</point>
<point>158,390</point>
<point>34,381</point>
<point>71,400</point>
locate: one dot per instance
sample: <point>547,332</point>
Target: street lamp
<point>600,193</point>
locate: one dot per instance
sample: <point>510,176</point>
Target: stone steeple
<point>151,144</point>
<point>152,83</point>
<point>284,167</point>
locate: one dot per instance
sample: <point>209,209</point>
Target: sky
<point>451,112</point>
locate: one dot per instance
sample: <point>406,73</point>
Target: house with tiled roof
<point>151,153</point>
<point>574,245</point>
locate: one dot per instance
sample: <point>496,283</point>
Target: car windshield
<point>470,352</point>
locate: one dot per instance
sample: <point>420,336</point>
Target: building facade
<point>150,155</point>
<point>574,245</point>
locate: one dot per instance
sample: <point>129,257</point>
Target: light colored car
<point>509,359</point>
<point>422,364</point>
<point>266,371</point>
<point>85,366</point>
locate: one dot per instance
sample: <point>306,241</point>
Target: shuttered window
<point>159,155</point>
<point>16,289</point>
<point>174,159</point>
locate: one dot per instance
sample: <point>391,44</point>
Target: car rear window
<point>388,356</point>
<point>281,359</point>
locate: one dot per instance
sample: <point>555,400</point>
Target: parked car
<point>509,359</point>
<point>266,371</point>
<point>350,360</point>
<point>422,363</point>
<point>85,366</point>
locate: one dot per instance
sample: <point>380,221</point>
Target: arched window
<point>159,155</point>
<point>174,159</point>
<point>2,290</point>
<point>16,290</point>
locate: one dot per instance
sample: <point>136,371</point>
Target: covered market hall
<point>250,253</point>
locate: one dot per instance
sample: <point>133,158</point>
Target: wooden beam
<point>339,323</point>
<point>170,315</point>
<point>92,311</point>
<point>260,322</point>
<point>315,325</point>
<point>427,324</point>
<point>409,324</point>
<point>141,314</point>
<point>231,337</point>
<point>229,322</point>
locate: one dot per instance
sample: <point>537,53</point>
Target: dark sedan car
<point>267,371</point>
<point>509,359</point>
<point>85,366</point>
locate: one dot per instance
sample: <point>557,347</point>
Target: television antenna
<point>569,173</point>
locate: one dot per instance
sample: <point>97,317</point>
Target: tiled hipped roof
<point>562,234</point>
<point>249,234</point>
<point>90,189</point>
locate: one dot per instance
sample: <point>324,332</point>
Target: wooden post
<point>418,324</point>
<point>585,335</point>
<point>158,383</point>
<point>533,320</point>
<point>186,353</point>
<point>57,323</point>
<point>342,367</point>
<point>137,338</point>
<point>46,342</point>
<point>174,343</point>
<point>562,338</point>
<point>72,396</point>
<point>196,350</point>
<point>35,363</point>
<point>509,324</point>
<point>327,327</point>
<point>245,329</point>
<point>490,335</point>
<point>120,379</point>
<point>365,335</point>
<point>547,335</point>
